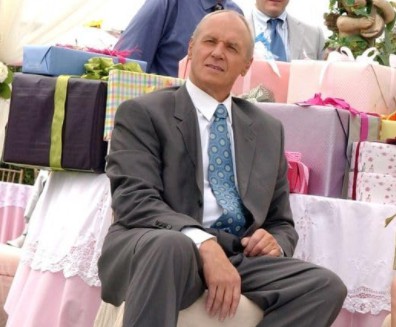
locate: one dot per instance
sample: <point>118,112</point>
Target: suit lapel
<point>296,29</point>
<point>187,124</point>
<point>245,146</point>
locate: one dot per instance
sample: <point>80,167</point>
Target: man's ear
<point>189,52</point>
<point>247,66</point>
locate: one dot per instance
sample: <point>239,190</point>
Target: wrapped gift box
<point>388,129</point>
<point>374,157</point>
<point>322,135</point>
<point>33,125</point>
<point>54,60</point>
<point>260,72</point>
<point>124,85</point>
<point>367,87</point>
<point>372,187</point>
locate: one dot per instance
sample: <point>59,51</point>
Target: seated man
<point>201,201</point>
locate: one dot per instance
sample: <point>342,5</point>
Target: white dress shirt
<point>206,107</point>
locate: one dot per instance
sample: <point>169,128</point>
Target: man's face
<point>219,53</point>
<point>272,8</point>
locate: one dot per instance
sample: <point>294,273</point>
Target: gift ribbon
<point>55,159</point>
<point>342,104</point>
<point>355,171</point>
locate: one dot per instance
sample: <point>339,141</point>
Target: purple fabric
<point>318,133</point>
<point>28,135</point>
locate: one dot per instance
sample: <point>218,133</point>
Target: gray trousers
<point>158,273</point>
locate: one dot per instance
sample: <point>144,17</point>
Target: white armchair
<point>248,315</point>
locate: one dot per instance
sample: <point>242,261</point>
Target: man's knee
<point>335,287</point>
<point>168,245</point>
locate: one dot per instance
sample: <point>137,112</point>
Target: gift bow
<point>341,104</point>
<point>345,54</point>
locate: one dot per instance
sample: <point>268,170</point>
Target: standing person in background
<point>285,37</point>
<point>160,31</point>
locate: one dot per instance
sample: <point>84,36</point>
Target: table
<point>13,201</point>
<point>350,238</point>
<point>345,236</point>
<point>60,253</point>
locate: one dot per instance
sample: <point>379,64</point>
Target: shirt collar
<point>263,18</point>
<point>204,103</point>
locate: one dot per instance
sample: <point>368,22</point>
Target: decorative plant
<point>6,76</point>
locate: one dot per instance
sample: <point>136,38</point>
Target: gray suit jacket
<point>155,166</point>
<point>304,40</point>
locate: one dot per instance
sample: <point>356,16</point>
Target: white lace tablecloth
<point>14,195</point>
<point>350,238</point>
<point>68,225</point>
<point>13,201</point>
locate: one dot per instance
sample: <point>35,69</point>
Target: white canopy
<point>25,22</point>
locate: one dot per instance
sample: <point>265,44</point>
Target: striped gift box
<point>124,85</point>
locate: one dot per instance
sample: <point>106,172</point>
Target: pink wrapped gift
<point>367,87</point>
<point>374,157</point>
<point>298,173</point>
<point>273,76</point>
<point>372,187</point>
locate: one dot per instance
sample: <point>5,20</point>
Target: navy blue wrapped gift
<point>56,123</point>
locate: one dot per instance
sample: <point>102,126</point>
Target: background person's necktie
<point>221,176</point>
<point>277,46</point>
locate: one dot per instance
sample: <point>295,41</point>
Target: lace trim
<point>366,300</point>
<point>82,257</point>
<point>80,261</point>
<point>14,195</point>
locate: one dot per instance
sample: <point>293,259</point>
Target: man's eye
<point>233,49</point>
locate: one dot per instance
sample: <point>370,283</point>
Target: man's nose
<point>218,51</point>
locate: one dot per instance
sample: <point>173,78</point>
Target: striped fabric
<point>124,85</point>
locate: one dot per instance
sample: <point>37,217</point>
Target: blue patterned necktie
<point>277,47</point>
<point>221,176</point>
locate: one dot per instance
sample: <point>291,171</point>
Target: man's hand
<point>222,279</point>
<point>261,243</point>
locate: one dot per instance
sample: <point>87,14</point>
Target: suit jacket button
<point>200,203</point>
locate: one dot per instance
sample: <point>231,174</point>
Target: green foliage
<point>29,174</point>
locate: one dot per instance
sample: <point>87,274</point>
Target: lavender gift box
<point>324,136</point>
<point>30,131</point>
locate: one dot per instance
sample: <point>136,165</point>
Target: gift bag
<point>297,174</point>
<point>125,85</point>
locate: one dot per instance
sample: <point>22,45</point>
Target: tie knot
<point>218,6</point>
<point>221,111</point>
<point>273,22</point>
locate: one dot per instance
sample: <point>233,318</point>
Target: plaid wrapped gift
<point>124,85</point>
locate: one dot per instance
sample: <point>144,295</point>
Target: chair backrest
<point>11,175</point>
